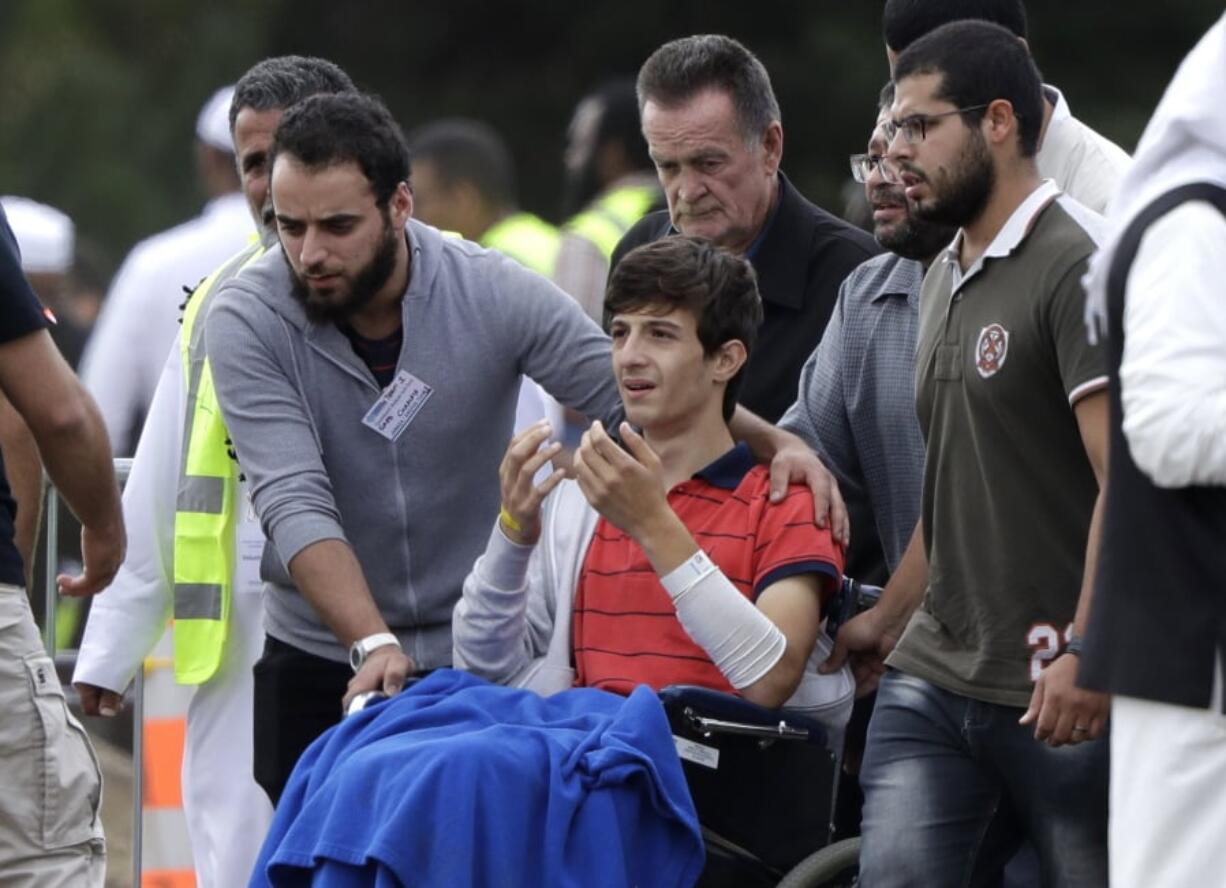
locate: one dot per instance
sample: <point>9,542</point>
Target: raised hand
<point>521,495</point>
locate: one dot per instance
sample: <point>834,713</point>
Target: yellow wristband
<point>508,521</point>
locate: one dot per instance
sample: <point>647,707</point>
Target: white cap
<point>46,236</point>
<point>213,124</point>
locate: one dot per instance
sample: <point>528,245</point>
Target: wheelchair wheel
<point>835,866</point>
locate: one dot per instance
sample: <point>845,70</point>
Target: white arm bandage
<point>739,638</point>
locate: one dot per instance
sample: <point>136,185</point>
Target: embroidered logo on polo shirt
<point>991,350</point>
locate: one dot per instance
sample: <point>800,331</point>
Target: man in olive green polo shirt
<point>980,738</point>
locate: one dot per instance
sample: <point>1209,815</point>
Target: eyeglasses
<point>915,128</point>
<point>862,166</point>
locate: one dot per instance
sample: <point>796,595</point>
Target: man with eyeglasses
<point>980,737</point>
<point>856,408</point>
<point>1086,165</point>
<point>856,400</point>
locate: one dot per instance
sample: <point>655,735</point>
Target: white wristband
<point>693,570</point>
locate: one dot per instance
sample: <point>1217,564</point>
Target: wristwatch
<point>363,647</point>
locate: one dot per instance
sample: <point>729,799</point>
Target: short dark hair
<point>680,69</point>
<point>464,150</point>
<point>325,130</point>
<point>277,83</point>
<point>979,63</point>
<point>619,120</point>
<point>720,289</point>
<point>905,21</point>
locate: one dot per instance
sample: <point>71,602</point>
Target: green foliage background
<point>98,97</point>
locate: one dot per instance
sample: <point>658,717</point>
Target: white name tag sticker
<point>707,756</point>
<point>398,405</point>
<point>250,551</point>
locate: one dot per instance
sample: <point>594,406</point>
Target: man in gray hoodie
<point>368,374</point>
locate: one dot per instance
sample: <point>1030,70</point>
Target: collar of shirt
<point>1010,236</point>
<point>729,470</point>
<point>1060,110</point>
<point>780,253</point>
<point>902,281</point>
<point>766,228</point>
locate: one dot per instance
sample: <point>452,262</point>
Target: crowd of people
<point>407,428</point>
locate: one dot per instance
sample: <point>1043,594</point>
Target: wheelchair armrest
<point>709,704</point>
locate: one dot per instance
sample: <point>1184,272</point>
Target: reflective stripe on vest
<point>205,507</point>
<point>528,239</point>
<point>611,216</point>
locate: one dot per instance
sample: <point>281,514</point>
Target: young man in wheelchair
<point>664,561</point>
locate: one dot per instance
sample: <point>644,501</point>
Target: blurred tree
<point>98,97</point>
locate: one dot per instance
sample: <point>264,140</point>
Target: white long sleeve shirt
<point>1173,374</point>
<point>128,618</point>
<point>123,359</point>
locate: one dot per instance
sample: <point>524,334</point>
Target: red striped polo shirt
<point>626,630</point>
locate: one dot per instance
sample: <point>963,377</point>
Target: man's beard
<point>913,237</point>
<point>322,309</point>
<point>965,196</point>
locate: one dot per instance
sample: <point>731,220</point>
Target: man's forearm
<point>328,575</point>
<point>77,455</point>
<point>763,438</point>
<point>665,540</point>
<point>907,585</point>
<point>67,427</point>
<point>1082,615</point>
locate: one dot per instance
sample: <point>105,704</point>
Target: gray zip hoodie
<point>416,510</point>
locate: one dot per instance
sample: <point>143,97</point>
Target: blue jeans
<point>953,785</point>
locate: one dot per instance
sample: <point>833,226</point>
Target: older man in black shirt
<point>714,131</point>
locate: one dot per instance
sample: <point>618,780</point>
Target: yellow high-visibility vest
<point>528,239</point>
<point>610,216</point>
<point>206,507</point>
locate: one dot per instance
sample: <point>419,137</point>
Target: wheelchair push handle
<point>369,698</point>
<point>363,700</point>
<point>852,597</point>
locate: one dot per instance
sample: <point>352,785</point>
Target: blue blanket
<point>457,782</point>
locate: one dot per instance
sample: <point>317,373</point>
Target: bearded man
<point>368,372</point>
<point>980,737</point>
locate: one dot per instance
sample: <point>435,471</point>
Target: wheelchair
<point>763,782</point>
